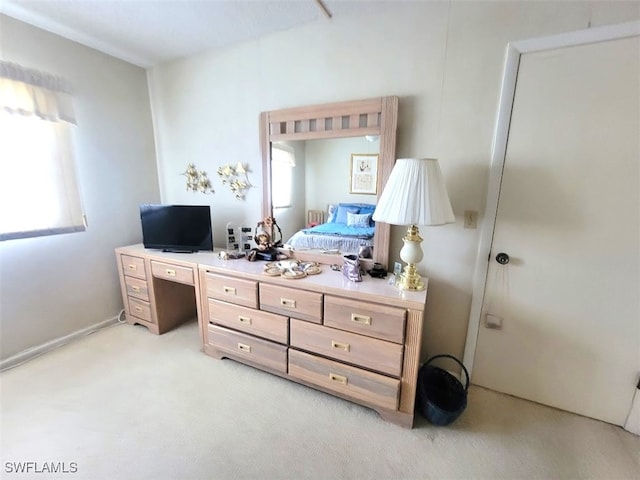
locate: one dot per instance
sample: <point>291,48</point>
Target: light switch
<point>493,321</point>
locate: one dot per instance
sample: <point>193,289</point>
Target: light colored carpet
<point>125,404</point>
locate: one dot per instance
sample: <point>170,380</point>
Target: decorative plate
<point>314,270</point>
<point>293,274</point>
<point>272,271</point>
<point>286,264</point>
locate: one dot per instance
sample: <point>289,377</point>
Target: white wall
<point>444,60</point>
<point>328,163</point>
<point>53,286</point>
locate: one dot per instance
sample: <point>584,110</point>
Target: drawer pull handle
<point>246,320</point>
<point>170,272</point>
<point>363,319</point>
<point>136,289</point>
<point>132,266</point>
<point>229,290</point>
<point>337,378</point>
<point>244,347</point>
<point>138,309</point>
<point>340,346</point>
<point>285,302</point>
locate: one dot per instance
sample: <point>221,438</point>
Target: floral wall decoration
<point>237,178</point>
<point>197,180</point>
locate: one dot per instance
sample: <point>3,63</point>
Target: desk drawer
<point>234,290</point>
<point>384,357</point>
<point>137,288</point>
<point>140,309</point>
<point>172,272</point>
<point>288,301</point>
<point>254,349</point>
<point>379,321</point>
<point>354,382</point>
<point>262,324</point>
<point>133,266</point>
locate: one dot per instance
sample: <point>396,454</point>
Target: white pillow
<point>358,219</point>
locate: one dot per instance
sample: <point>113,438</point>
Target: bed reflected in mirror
<point>317,193</point>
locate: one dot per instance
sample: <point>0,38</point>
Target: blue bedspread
<point>342,230</point>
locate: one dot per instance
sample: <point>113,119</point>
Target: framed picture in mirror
<point>364,173</point>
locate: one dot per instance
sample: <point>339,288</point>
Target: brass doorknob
<point>502,258</point>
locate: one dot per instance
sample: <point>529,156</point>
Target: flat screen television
<point>176,228</point>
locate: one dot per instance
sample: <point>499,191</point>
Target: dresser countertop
<point>329,281</point>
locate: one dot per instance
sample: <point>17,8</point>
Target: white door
<point>569,218</point>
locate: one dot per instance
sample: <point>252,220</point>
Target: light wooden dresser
<point>359,341</point>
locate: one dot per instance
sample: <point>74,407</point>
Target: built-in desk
<point>159,289</point>
<point>359,341</point>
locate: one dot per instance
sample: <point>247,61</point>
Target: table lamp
<point>415,194</point>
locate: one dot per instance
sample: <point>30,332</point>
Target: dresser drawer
<point>354,382</point>
<point>287,301</point>
<point>133,266</point>
<point>385,357</point>
<point>172,272</point>
<point>234,290</point>
<point>137,288</point>
<point>379,321</point>
<point>254,349</point>
<point>262,324</point>
<point>140,309</point>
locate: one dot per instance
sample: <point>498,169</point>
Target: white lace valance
<point>30,92</point>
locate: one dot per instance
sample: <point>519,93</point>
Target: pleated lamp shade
<point>415,194</point>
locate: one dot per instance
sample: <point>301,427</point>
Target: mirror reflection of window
<point>283,161</point>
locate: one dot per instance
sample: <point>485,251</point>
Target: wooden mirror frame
<point>375,116</point>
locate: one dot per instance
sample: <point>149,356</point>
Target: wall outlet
<point>470,219</point>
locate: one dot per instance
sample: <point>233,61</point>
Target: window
<point>38,188</point>
<point>282,162</point>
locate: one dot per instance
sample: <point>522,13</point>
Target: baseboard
<point>633,420</point>
<point>33,352</point>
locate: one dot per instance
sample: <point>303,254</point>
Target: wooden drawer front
<point>385,357</point>
<point>137,288</point>
<point>262,324</point>
<point>133,266</point>
<point>288,301</point>
<point>354,382</point>
<point>140,309</point>
<point>234,290</point>
<point>379,321</point>
<point>254,349</point>
<point>172,272</point>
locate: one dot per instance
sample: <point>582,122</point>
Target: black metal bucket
<point>441,396</point>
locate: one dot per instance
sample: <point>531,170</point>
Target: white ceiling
<point>147,32</point>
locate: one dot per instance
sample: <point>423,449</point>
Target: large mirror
<point>324,168</point>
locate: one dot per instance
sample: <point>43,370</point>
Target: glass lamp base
<point>411,254</point>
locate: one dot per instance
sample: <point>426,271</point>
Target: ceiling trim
<point>15,11</point>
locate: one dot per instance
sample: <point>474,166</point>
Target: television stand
<point>171,250</point>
